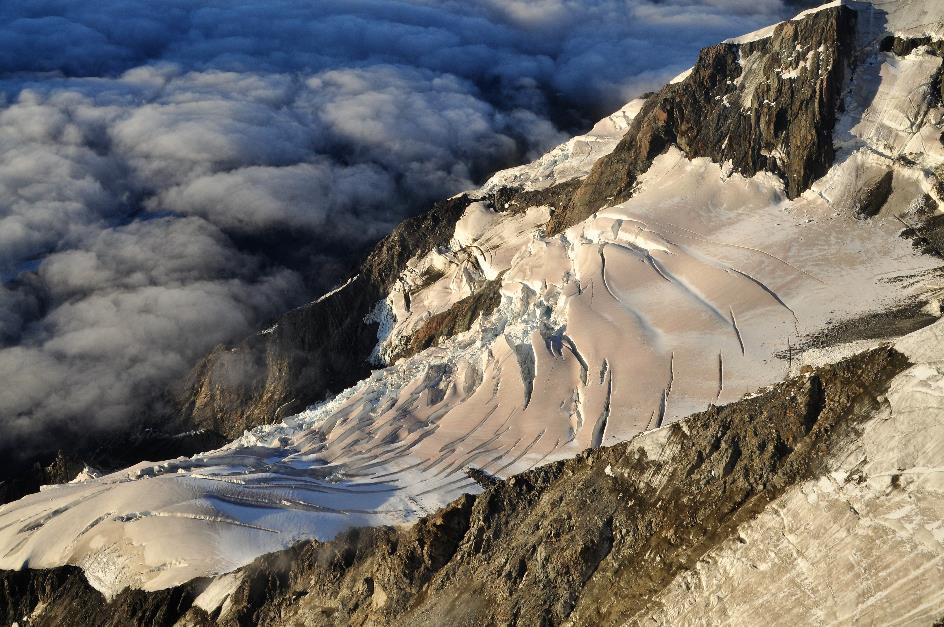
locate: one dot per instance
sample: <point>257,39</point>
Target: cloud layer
<point>174,174</point>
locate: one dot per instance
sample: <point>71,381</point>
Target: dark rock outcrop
<point>63,597</point>
<point>764,105</point>
<point>484,479</point>
<point>515,200</point>
<point>903,46</point>
<point>18,482</point>
<point>928,235</point>
<point>457,319</point>
<point>870,199</point>
<point>883,324</point>
<point>590,540</point>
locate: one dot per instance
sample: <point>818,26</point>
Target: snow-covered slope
<point>861,545</point>
<point>692,292</point>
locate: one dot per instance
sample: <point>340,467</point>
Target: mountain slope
<point>674,259</point>
<point>815,491</point>
<point>284,371</point>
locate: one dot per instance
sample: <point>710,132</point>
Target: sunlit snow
<point>652,309</point>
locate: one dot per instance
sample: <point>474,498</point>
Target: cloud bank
<point>175,174</point>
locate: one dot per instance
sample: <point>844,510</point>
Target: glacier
<point>686,295</point>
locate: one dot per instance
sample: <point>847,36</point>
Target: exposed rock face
<point>455,320</point>
<point>764,105</point>
<point>872,197</point>
<point>63,597</point>
<point>605,538</point>
<point>312,351</point>
<point>61,469</point>
<point>928,236</point>
<point>514,199</point>
<point>903,46</point>
<point>884,324</point>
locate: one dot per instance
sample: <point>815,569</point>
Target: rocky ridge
<point>769,105</point>
<point>312,351</point>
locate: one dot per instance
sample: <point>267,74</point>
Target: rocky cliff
<point>315,350</point>
<point>768,104</point>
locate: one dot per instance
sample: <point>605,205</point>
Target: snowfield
<point>684,296</point>
<point>860,545</point>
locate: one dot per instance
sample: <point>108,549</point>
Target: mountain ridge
<point>585,330</point>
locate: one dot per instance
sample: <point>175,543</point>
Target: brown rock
<point>764,105</point>
<point>589,541</point>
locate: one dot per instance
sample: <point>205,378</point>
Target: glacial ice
<point>651,309</point>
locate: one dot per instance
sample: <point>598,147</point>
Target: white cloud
<point>150,150</point>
